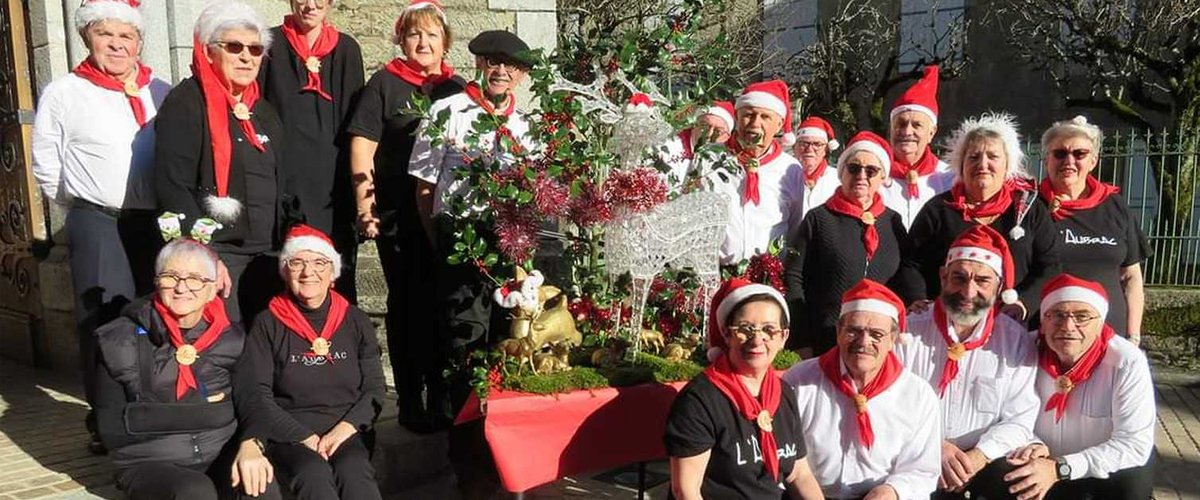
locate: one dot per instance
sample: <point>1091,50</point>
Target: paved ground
<point>42,451</point>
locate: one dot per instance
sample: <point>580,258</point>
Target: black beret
<point>501,44</point>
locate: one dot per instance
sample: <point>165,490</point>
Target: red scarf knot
<point>810,180</point>
<point>1061,207</point>
<point>912,174</point>
<point>131,89</point>
<point>327,40</point>
<point>956,350</point>
<point>830,364</point>
<point>284,309</point>
<point>475,92</point>
<point>751,163</point>
<point>991,207</point>
<point>187,354</point>
<point>760,410</point>
<point>415,76</point>
<point>841,204</point>
<point>1065,382</point>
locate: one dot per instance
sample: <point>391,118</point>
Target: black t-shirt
<point>384,113</point>
<point>1096,243</point>
<point>703,419</point>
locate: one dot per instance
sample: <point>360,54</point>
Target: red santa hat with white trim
<point>723,110</point>
<point>817,127</point>
<point>771,95</point>
<point>871,296</point>
<point>302,237</point>
<point>986,246</point>
<point>921,97</point>
<point>730,294</point>
<point>1067,288</point>
<point>869,142</point>
<point>91,11</point>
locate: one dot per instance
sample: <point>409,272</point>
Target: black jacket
<point>138,416</point>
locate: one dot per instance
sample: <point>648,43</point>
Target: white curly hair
<point>1075,127</point>
<point>222,15</point>
<point>990,125</point>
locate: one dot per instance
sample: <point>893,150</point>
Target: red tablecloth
<point>536,439</point>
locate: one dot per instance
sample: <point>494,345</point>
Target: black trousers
<point>255,279</point>
<point>347,475</point>
<point>112,262</point>
<point>163,481</point>
<point>1129,484</point>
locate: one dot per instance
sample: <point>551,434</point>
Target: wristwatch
<point>1061,468</point>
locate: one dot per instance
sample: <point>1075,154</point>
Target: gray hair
<point>1075,127</point>
<point>223,15</point>
<point>184,248</point>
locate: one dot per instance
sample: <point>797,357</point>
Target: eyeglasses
<point>318,265</point>
<point>1079,154</point>
<point>747,331</point>
<point>235,48</point>
<point>493,62</point>
<point>874,335</point>
<point>809,145</point>
<point>1059,318</point>
<point>169,281</point>
<point>856,169</point>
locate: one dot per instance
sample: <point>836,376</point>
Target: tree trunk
<point>1178,169</point>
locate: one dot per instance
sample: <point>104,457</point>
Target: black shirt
<point>317,159</point>
<point>1035,255</point>
<point>1097,243</point>
<point>385,114</point>
<point>826,258</point>
<point>703,419</point>
<point>285,394</point>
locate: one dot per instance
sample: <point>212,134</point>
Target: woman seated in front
<point>734,430</point>
<point>310,384</point>
<point>164,391</point>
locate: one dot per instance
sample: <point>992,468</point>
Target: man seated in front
<point>872,429</point>
<point>981,364</point>
<point>1095,427</point>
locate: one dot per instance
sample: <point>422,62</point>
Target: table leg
<point>641,480</point>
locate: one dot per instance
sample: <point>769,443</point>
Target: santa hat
<point>921,97</point>
<point>984,245</point>
<point>413,6</point>
<point>640,102</point>
<point>723,110</point>
<point>732,293</point>
<point>772,95</point>
<point>869,142</point>
<point>1067,288</point>
<point>520,291</point>
<point>92,11</point>
<point>815,126</point>
<point>870,296</point>
<point>303,237</point>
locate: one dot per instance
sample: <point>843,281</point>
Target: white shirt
<point>821,190</point>
<point>990,404</point>
<point>895,192</point>
<point>752,227</point>
<point>88,145</point>
<point>906,454</point>
<point>436,164</point>
<point>675,155</point>
<point>1109,420</point>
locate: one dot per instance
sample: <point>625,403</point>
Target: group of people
<point>233,355</point>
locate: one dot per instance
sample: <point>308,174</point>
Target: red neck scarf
<point>408,72</point>
<point>218,102</point>
<point>991,207</point>
<point>1062,208</point>
<point>841,204</point>
<point>1065,382</point>
<point>214,314</point>
<point>132,90</point>
<point>284,309</point>
<point>956,350</point>
<point>911,174</point>
<point>311,58</point>
<point>830,364</point>
<point>810,180</point>
<point>475,92</point>
<point>751,164</point>
<point>685,137</point>
<point>759,410</point>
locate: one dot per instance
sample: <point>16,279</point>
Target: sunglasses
<point>856,169</point>
<point>1079,154</point>
<point>235,48</point>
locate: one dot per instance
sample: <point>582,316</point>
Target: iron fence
<point>1152,168</point>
